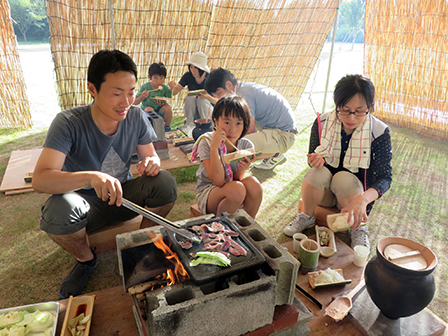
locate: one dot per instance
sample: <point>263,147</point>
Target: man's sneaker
<point>298,224</point>
<point>270,163</point>
<point>360,236</point>
<point>75,282</point>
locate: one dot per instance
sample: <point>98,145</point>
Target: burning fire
<point>171,276</point>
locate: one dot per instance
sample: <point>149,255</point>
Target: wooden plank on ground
<point>20,163</point>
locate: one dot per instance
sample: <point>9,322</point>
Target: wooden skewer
<point>404,255</point>
<point>208,114</point>
<point>237,149</point>
<point>228,141</point>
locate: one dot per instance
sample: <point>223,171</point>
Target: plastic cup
<point>361,255</point>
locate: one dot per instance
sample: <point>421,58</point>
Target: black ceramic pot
<point>202,126</point>
<point>398,291</point>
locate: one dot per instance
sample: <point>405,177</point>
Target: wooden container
<point>329,249</point>
<point>76,306</point>
<point>312,276</point>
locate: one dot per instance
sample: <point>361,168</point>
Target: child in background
<point>221,187</point>
<point>156,88</point>
<point>195,107</point>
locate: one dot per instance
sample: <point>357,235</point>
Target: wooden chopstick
<point>228,141</point>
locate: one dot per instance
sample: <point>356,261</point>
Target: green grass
<point>32,266</point>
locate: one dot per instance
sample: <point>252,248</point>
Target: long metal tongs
<point>161,221</point>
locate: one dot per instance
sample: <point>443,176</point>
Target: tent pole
<point>331,54</point>
<point>112,24</point>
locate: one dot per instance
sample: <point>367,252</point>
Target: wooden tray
<point>183,141</point>
<point>330,249</point>
<point>196,92</point>
<point>332,218</point>
<point>75,306</point>
<point>238,156</point>
<point>165,100</point>
<point>312,276</point>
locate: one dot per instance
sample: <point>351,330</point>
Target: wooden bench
<point>104,239</point>
<point>194,211</point>
<point>321,213</point>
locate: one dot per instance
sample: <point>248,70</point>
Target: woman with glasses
<point>350,156</point>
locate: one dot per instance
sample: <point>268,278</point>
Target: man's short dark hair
<point>217,79</point>
<point>157,69</point>
<point>108,61</point>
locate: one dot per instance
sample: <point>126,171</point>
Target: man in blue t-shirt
<point>85,165</point>
<point>272,129</point>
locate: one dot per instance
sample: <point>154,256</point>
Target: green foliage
<point>28,15</point>
<point>351,22</point>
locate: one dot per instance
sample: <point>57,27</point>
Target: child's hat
<point>199,60</point>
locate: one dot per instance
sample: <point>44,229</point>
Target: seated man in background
<point>85,165</point>
<point>272,129</point>
<point>156,87</point>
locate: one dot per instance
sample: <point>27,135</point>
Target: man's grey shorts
<point>68,213</point>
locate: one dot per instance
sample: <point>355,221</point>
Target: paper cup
<point>361,254</point>
<point>308,255</point>
<point>297,238</point>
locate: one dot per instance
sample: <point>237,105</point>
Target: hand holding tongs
<point>161,221</point>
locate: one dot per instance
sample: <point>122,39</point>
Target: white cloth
<point>358,152</point>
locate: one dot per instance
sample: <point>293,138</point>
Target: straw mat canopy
<point>275,43</point>
<point>14,105</point>
<point>407,59</point>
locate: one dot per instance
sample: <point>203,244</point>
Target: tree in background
<point>352,14</point>
<point>28,14</point>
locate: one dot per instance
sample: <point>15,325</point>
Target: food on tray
<point>25,323</point>
<point>340,222</point>
<point>213,258</point>
<point>77,325</point>
<point>196,92</point>
<point>245,152</point>
<point>328,276</point>
<point>162,99</point>
<point>217,239</point>
<point>324,238</point>
<point>240,155</point>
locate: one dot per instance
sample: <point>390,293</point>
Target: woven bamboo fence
<point>407,59</point>
<point>14,106</point>
<point>275,43</point>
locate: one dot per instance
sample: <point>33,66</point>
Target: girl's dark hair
<point>200,70</point>
<point>348,86</point>
<point>108,61</point>
<point>233,106</point>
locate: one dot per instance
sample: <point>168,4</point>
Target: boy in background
<point>156,87</point>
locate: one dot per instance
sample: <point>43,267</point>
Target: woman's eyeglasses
<point>346,113</point>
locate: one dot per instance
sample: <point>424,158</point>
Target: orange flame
<point>179,273</point>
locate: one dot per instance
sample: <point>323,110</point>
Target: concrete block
<point>163,154</point>
<point>280,260</point>
<point>231,309</point>
<point>158,124</point>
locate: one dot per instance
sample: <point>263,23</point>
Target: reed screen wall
<point>14,105</point>
<point>275,43</point>
<point>406,57</point>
